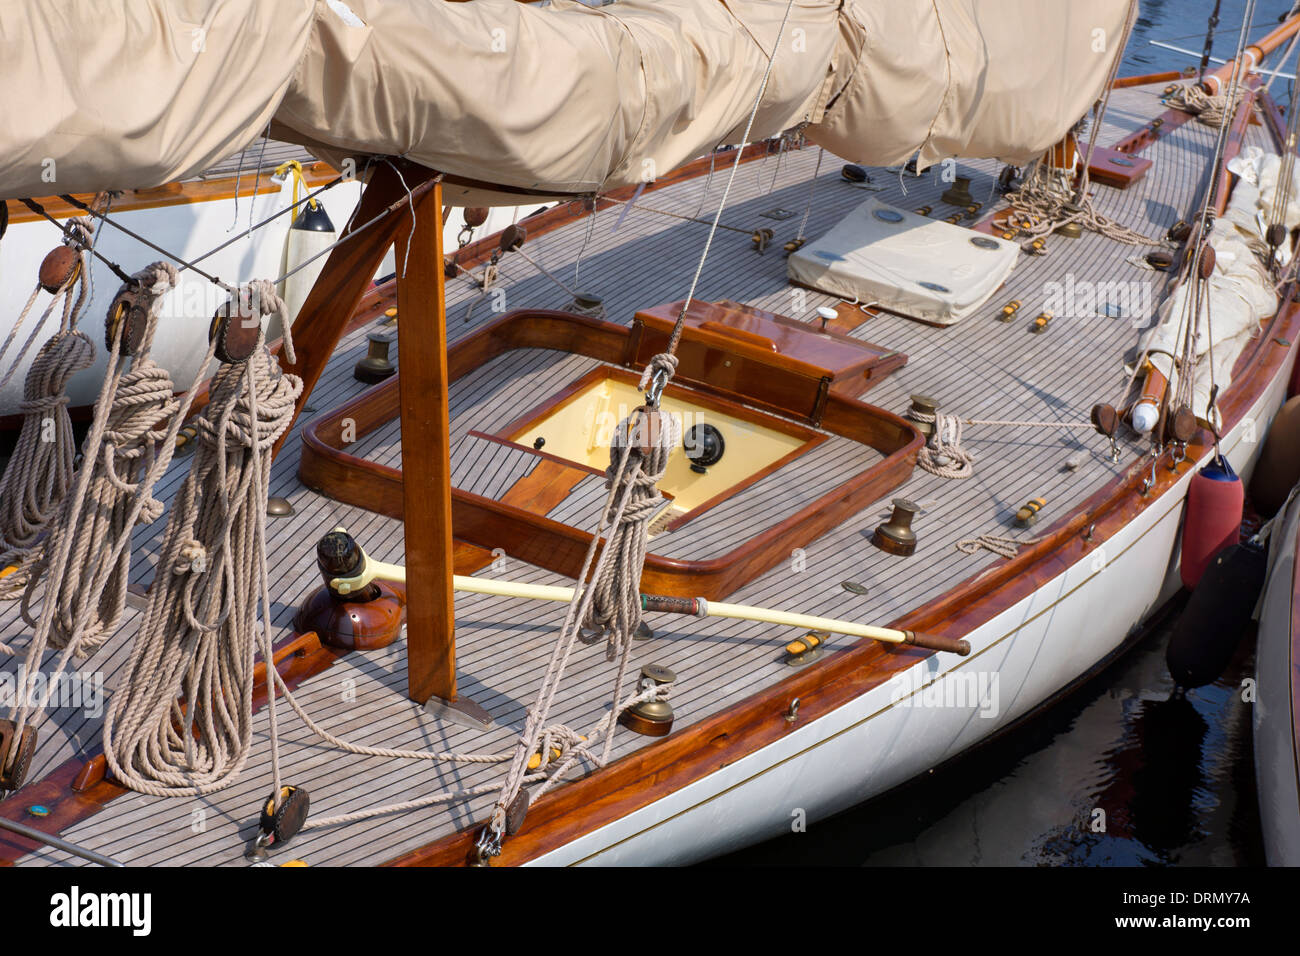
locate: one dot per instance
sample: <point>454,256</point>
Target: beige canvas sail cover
<point>558,99</point>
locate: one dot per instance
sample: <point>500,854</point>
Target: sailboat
<point>798,448</point>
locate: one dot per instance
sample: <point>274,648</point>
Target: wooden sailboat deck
<point>980,368</point>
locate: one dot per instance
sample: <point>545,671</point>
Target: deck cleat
<point>924,211</point>
<point>1036,247</point>
<point>652,718</point>
<point>852,173</point>
<point>535,760</point>
<point>1009,311</point>
<point>794,245</point>
<point>896,536</point>
<point>806,649</point>
<point>1028,513</point>
<point>186,437</point>
<point>761,238</point>
<point>1041,322</point>
<point>1159,259</point>
<point>922,413</point>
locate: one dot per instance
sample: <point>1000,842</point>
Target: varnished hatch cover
<point>760,357</point>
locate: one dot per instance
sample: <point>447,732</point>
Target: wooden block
<point>1113,168</point>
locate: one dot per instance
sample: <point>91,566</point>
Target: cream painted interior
<point>580,431</point>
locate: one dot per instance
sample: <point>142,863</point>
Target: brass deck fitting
<point>958,194</point>
<point>806,649</point>
<point>923,405</point>
<point>368,618</point>
<point>1028,512</point>
<point>1009,310</point>
<point>1041,322</point>
<point>896,536</point>
<point>376,366</point>
<point>652,718</point>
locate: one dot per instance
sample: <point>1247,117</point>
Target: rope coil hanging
<point>181,722</point>
<point>125,455</point>
<point>39,473</point>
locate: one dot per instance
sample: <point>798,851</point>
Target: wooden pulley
<point>512,237</point>
<point>59,267</point>
<point>237,330</point>
<point>1180,425</point>
<point>129,313</point>
<point>646,430</point>
<point>1276,234</point>
<point>1207,261</point>
<point>1105,419</point>
<point>1179,231</point>
<point>280,825</point>
<point>17,748</point>
<point>1159,259</point>
<point>475,216</point>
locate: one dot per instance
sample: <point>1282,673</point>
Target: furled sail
<point>561,99</point>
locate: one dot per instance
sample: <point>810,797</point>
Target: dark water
<point>1173,774</point>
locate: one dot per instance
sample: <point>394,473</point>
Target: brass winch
<point>653,718</point>
<point>896,536</point>
<point>958,194</point>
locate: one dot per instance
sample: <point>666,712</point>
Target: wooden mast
<point>416,235</point>
<point>426,442</point>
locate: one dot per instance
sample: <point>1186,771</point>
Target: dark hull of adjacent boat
<point>1277,709</point>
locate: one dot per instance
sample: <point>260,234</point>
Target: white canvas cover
<point>556,99</point>
<point>905,263</point>
<point>1241,294</point>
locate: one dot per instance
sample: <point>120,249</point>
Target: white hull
<point>889,734</point>
<point>189,230</point>
<point>1277,765</point>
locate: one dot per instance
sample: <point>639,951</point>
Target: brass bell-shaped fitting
<point>376,366</point>
<point>896,536</point>
<point>958,194</point>
<point>926,406</point>
<point>653,718</point>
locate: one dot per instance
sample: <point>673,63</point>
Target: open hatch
<point>767,404</point>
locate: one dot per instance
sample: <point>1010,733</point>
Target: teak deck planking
<point>979,368</point>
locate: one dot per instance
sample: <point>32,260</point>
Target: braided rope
<point>1046,201</point>
<point>121,461</point>
<point>181,722</point>
<point>1213,111</point>
<point>942,454</point>
<point>40,471</point>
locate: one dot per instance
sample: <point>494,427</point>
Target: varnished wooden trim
<point>174,194</point>
<point>488,524</point>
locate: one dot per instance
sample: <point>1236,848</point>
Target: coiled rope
<point>124,449</point>
<point>181,722</point>
<point>1046,201</point>
<point>39,472</point>
<point>1213,111</point>
<point>97,525</point>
